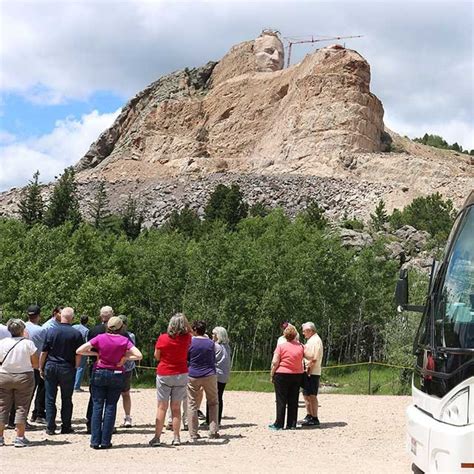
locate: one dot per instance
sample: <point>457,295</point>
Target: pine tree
<point>31,206</point>
<point>100,214</point>
<point>185,221</point>
<point>64,204</point>
<point>313,215</point>
<point>226,204</point>
<point>132,218</point>
<point>380,217</point>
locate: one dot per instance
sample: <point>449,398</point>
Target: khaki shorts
<point>16,389</point>
<point>171,387</point>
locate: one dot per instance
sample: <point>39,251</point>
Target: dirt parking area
<point>359,434</point>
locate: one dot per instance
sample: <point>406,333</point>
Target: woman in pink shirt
<point>108,378</point>
<point>286,374</point>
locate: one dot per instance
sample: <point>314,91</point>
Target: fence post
<point>370,375</point>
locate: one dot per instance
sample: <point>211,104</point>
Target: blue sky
<point>66,68</point>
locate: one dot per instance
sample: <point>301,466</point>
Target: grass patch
<point>347,380</point>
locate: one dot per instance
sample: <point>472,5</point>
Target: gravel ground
<point>360,434</point>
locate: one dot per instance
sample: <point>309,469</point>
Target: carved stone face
<point>269,53</point>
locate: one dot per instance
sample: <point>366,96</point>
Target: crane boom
<point>315,40</point>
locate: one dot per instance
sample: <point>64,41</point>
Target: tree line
<point>247,268</point>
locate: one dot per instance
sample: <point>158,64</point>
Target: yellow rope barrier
<point>358,364</point>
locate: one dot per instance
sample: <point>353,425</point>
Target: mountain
<point>312,130</point>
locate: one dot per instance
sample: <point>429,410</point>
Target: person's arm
<point>220,354</point>
<point>157,355</point>
<point>312,356</point>
<point>42,362</point>
<point>34,360</point>
<point>275,364</point>
<point>86,349</point>
<point>134,354</point>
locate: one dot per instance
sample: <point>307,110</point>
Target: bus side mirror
<point>401,291</point>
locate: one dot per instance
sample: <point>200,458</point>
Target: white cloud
<point>52,152</point>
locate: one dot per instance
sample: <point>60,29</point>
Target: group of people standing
<point>45,358</point>
<point>189,364</point>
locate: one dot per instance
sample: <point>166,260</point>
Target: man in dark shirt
<point>58,363</point>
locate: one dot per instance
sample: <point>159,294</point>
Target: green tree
<point>31,205</point>
<point>380,217</point>
<point>132,218</point>
<point>313,215</point>
<point>226,204</point>
<point>259,209</point>
<point>64,204</point>
<point>185,221</point>
<point>431,213</point>
<point>100,214</point>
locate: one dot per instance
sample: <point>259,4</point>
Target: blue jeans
<point>80,373</point>
<point>62,376</point>
<point>106,388</point>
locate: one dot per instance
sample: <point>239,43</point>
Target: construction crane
<point>313,40</point>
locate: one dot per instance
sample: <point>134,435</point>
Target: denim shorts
<point>171,387</point>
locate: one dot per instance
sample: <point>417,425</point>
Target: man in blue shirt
<point>58,362</point>
<point>55,319</point>
<point>37,334</point>
<point>84,331</point>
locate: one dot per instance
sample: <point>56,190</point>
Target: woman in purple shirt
<point>112,350</point>
<point>202,373</point>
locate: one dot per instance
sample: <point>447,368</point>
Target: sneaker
<point>67,430</point>
<point>274,427</point>
<point>79,390</point>
<point>169,426</point>
<point>306,418</point>
<point>176,442</point>
<point>95,446</point>
<point>40,420</point>
<point>106,446</point>
<point>127,422</point>
<point>194,440</point>
<point>214,436</point>
<point>204,424</point>
<point>201,415</point>
<point>21,442</point>
<point>154,442</point>
<point>316,421</point>
<point>309,422</point>
<point>50,432</point>
<point>2,441</point>
<point>10,426</point>
<point>185,427</point>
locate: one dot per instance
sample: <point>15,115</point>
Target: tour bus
<point>441,415</point>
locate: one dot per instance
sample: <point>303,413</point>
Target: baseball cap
<point>115,323</point>
<point>33,310</point>
<point>123,318</point>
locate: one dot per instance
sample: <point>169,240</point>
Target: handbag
<point>9,350</point>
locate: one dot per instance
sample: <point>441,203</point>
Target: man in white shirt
<point>313,354</point>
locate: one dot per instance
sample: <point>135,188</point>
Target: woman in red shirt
<point>171,352</point>
<point>287,374</point>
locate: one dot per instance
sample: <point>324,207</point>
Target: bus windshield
<point>454,310</point>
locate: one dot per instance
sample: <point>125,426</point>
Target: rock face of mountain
<point>310,131</point>
<point>225,117</point>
